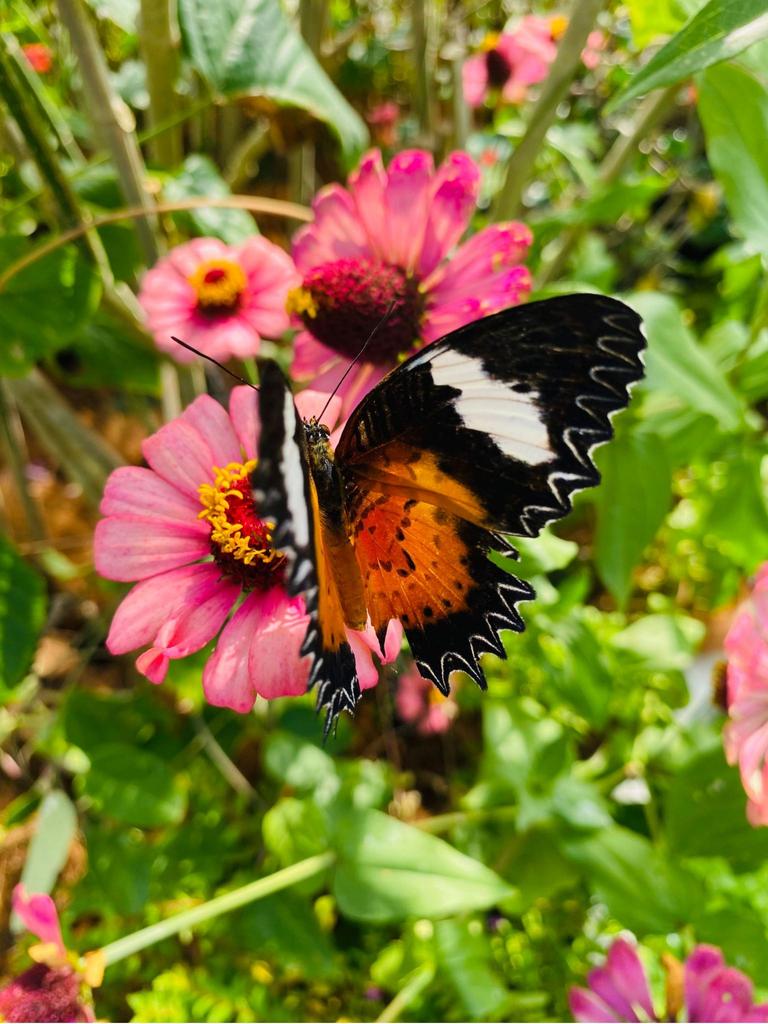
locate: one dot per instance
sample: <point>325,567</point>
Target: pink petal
<point>496,248</point>
<point>244,412</point>
<point>367,673</point>
<point>312,359</point>
<point>474,77</point>
<point>135,491</point>
<point>258,652</point>
<point>186,258</point>
<point>231,336</point>
<point>153,665</point>
<point>131,548</point>
<point>38,914</point>
<point>407,195</point>
<point>455,189</point>
<point>210,420</point>
<point>337,232</point>
<point>368,185</point>
<point>700,966</point>
<point>180,453</point>
<point>311,403</point>
<point>622,984</point>
<point>586,1007</point>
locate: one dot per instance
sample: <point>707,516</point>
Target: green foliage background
<point>476,875</point>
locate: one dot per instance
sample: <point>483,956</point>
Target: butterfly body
<point>484,433</point>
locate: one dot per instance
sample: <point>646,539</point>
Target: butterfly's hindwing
<point>496,422</point>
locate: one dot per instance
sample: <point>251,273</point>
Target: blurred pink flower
<point>746,734</point>
<point>39,57</point>
<point>383,120</point>
<point>187,532</point>
<point>222,299</point>
<point>421,704</point>
<point>711,991</point>
<point>592,53</point>
<point>57,986</point>
<point>389,238</point>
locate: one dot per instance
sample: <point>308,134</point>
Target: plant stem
<point>13,437</point>
<point>418,981</point>
<point>420,43</point>
<point>159,41</point>
<point>621,153</point>
<point>561,74</point>
<point>187,919</point>
<point>445,822</point>
<point>113,120</point>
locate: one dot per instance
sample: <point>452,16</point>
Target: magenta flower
<point>382,120</point>
<point>711,991</point>
<point>57,987</point>
<point>420,703</point>
<point>222,299</point>
<point>510,62</point>
<point>746,734</point>
<point>389,239</point>
<point>186,531</point>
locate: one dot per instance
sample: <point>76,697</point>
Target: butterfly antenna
<point>357,358</point>
<point>215,362</point>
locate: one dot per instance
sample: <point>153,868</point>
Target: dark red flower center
<point>341,302</point>
<point>497,68</point>
<point>43,993</point>
<point>241,542</point>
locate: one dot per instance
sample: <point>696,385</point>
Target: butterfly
<point>484,433</point>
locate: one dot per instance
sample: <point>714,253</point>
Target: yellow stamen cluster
<point>218,283</point>
<point>491,41</point>
<point>558,23</point>
<point>300,302</point>
<point>217,499</point>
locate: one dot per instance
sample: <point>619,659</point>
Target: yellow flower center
<point>300,302</point>
<point>241,542</point>
<point>558,23</point>
<point>219,285</point>
<point>491,41</point>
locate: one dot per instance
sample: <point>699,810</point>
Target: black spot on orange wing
<point>452,600</point>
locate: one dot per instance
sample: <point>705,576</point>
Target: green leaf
<point>249,48</point>
<point>464,958</point>
<point>632,501</point>
<point>55,829</point>
<point>22,614</point>
<point>119,871</point>
<point>102,355</point>
<point>301,765</point>
<point>643,890</point>
<point>741,934</point>
<point>662,641</point>
<point>705,814</point>
<point>678,366</point>
<point>653,18</point>
<point>198,177</point>
<point>284,927</point>
<point>388,871</point>
<point>43,305</point>
<point>733,106</point>
<point>294,829</point>
<point>133,786</point>
<point>718,32</point>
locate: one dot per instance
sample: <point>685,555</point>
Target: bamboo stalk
<point>159,41</point>
<point>113,121</point>
<point>561,74</point>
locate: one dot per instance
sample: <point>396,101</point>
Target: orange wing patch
<point>413,563</point>
<point>397,468</point>
<point>330,615</point>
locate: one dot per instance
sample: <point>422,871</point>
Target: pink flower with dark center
<point>57,986</point>
<point>388,241</point>
<point>746,734</point>
<point>703,989</point>
<point>421,704</point>
<point>221,299</point>
<point>187,532</point>
<point>39,57</point>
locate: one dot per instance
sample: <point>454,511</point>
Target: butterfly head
<point>316,433</point>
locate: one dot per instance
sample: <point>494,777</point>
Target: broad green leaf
<point>22,614</point>
<point>718,32</point>
<point>119,871</point>
<point>43,305</point>
<point>102,355</point>
<point>643,890</point>
<point>653,18</point>
<point>133,786</point>
<point>705,812</point>
<point>388,871</point>
<point>663,641</point>
<point>632,501</point>
<point>249,48</point>
<point>677,365</point>
<point>733,106</point>
<point>301,765</point>
<point>55,829</point>
<point>294,829</point>
<point>740,932</point>
<point>198,177</point>
<point>465,961</point>
<point>740,527</point>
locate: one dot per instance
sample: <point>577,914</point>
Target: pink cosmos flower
<point>421,704</point>
<point>746,735</point>
<point>388,240</point>
<point>222,299</point>
<point>186,531</point>
<point>711,991</point>
<point>57,987</point>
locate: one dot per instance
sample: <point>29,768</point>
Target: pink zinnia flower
<point>57,987</point>
<point>382,120</point>
<point>510,62</point>
<point>746,735</point>
<point>389,239</point>
<point>222,299</point>
<point>187,532</point>
<point>710,990</point>
<point>39,57</point>
<point>420,703</point>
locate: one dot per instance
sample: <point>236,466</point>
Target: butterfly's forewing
<point>285,494</point>
<point>489,429</point>
<point>496,421</point>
